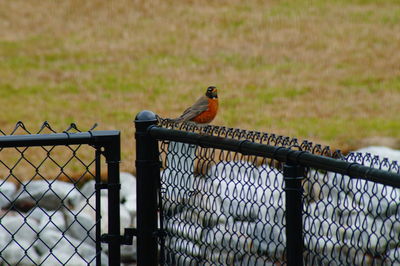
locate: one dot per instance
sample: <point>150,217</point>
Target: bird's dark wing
<point>197,108</point>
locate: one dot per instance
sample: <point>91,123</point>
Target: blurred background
<point>326,71</point>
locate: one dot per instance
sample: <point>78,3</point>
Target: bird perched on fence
<point>203,111</point>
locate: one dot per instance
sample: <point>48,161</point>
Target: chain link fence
<point>349,221</point>
<point>47,199</point>
<point>220,207</point>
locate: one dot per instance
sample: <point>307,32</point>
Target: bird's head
<point>212,92</point>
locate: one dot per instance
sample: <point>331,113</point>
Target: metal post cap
<point>146,116</point>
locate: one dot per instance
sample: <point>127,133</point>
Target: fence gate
<point>50,187</point>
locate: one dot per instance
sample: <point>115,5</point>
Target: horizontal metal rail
<point>282,154</point>
<point>90,137</point>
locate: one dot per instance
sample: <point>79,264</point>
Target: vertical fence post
<point>148,175</point>
<point>98,206</point>
<point>293,175</point>
<point>113,157</point>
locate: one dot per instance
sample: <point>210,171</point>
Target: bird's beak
<point>214,93</point>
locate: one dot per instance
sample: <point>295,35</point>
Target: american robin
<point>203,110</point>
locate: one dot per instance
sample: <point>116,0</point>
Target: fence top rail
<point>254,136</point>
<point>54,139</point>
<point>282,154</point>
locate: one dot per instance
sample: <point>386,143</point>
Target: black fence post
<point>148,175</point>
<point>113,158</point>
<point>293,175</point>
<point>98,205</point>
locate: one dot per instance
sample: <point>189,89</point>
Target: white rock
<point>269,239</point>
<point>181,156</point>
<point>372,234</point>
<point>183,245</point>
<point>393,257</point>
<point>271,199</point>
<point>37,214</point>
<point>88,253</point>
<point>81,225</point>
<point>372,198</point>
<point>129,196</point>
<point>129,253</point>
<point>240,190</point>
<point>352,227</point>
<point>204,205</point>
<point>269,177</point>
<point>178,177</point>
<point>49,194</point>
<point>238,199</point>
<point>65,249</point>
<point>376,199</point>
<point>128,186</point>
<point>382,152</point>
<point>16,254</point>
<point>333,209</point>
<point>183,229</point>
<point>323,250</point>
<point>4,238</point>
<point>57,257</point>
<point>233,170</point>
<point>178,184</point>
<point>235,236</point>
<point>86,192</point>
<point>53,219</point>
<point>130,205</point>
<point>255,260</point>
<point>88,189</point>
<point>223,256</point>
<point>50,239</point>
<point>87,209</point>
<point>125,218</point>
<point>24,230</point>
<point>85,219</point>
<point>7,192</point>
<point>320,226</point>
<point>319,185</point>
<point>177,259</point>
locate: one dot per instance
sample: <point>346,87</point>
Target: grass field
<point>328,71</point>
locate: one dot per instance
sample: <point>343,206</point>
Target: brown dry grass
<point>327,71</point>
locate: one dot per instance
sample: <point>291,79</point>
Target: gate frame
<point>106,143</point>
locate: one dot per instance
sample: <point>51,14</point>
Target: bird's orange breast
<point>208,115</point>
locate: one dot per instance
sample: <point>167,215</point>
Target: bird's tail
<point>175,120</point>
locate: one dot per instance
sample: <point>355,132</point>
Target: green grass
<point>322,70</point>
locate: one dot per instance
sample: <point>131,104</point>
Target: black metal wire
<point>225,205</point>
<point>27,158</point>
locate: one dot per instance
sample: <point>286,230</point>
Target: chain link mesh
<point>350,221</point>
<point>226,208</point>
<point>47,204</point>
